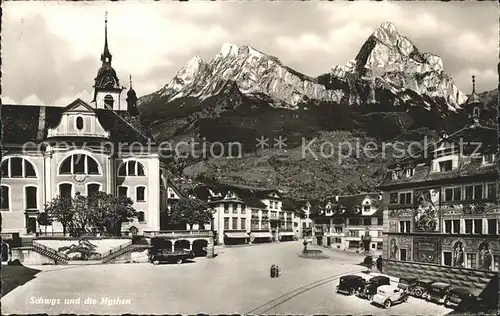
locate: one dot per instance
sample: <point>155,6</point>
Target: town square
<point>250,158</point>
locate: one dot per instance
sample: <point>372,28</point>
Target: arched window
<point>79,123</point>
<point>17,167</point>
<point>140,217</point>
<point>131,168</point>
<point>93,188</point>
<point>108,100</point>
<point>475,112</point>
<point>79,164</point>
<point>5,205</point>
<point>140,194</point>
<point>30,194</point>
<point>65,190</point>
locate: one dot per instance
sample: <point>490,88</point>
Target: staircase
<point>121,250</point>
<point>59,257</point>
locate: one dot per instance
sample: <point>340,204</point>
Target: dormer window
<point>79,123</point>
<point>446,165</point>
<point>488,159</point>
<point>409,172</point>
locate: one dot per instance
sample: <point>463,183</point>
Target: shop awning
<point>262,235</point>
<point>287,233</point>
<point>237,235</point>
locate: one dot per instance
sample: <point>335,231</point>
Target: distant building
<point>302,225</point>
<point>84,147</point>
<point>350,222</point>
<point>443,209</point>
<point>246,214</point>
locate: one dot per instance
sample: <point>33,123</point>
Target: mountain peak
<point>228,49</point>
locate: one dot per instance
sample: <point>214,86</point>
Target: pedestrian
<point>379,263</point>
<point>278,272</point>
<point>273,271</point>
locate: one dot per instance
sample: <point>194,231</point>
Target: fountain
<point>312,253</point>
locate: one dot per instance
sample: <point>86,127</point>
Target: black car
<point>165,256</point>
<point>410,282</point>
<point>438,292</point>
<point>422,288</point>
<point>350,284</point>
<point>371,287</point>
<point>460,298</point>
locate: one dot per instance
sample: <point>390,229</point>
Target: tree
<point>108,212</point>
<point>190,211</point>
<point>61,209</point>
<point>82,218</point>
<point>44,220</point>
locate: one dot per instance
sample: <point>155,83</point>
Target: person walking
<point>278,272</point>
<point>379,263</point>
<point>272,272</point>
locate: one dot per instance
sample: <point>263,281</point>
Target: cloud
<point>51,50</point>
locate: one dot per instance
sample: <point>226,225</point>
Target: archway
<point>161,243</point>
<point>5,252</point>
<point>182,244</point>
<point>199,247</point>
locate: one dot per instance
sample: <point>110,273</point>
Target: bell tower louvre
<point>107,88</point>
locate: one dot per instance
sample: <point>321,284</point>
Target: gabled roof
<point>349,203</point>
<point>30,123</point>
<point>172,185</point>
<point>248,196</point>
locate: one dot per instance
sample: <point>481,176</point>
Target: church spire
<point>106,55</point>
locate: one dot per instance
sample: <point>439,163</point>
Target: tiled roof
<point>248,196</point>
<point>423,174</point>
<point>30,123</point>
<point>291,204</point>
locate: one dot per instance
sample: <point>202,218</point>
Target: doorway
<point>31,225</point>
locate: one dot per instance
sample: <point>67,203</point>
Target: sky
<point>51,50</point>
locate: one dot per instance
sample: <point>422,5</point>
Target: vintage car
<point>371,287</point>
<point>410,282</point>
<point>438,292</point>
<point>388,295</point>
<point>460,298</point>
<point>350,284</point>
<point>422,288</point>
<point>165,256</point>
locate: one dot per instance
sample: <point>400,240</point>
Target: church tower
<point>107,88</point>
<point>473,106</point>
<point>132,100</point>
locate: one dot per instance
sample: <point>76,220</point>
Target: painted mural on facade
<point>426,249</point>
<point>426,217</point>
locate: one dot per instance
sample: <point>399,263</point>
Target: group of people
<point>275,271</point>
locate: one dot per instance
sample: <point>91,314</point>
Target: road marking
<point>293,293</point>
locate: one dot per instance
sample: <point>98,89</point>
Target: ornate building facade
<point>441,207</point>
<point>83,147</point>
<point>350,222</point>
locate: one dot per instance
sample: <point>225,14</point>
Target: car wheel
<point>405,299</point>
<point>387,304</point>
<point>352,291</point>
<point>418,293</point>
<point>370,297</point>
<point>156,262</point>
<point>179,261</point>
<point>446,302</point>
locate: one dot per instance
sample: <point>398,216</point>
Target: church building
<point>86,146</point>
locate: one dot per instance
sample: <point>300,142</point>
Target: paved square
<point>236,281</point>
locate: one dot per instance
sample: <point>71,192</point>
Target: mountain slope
<point>243,94</point>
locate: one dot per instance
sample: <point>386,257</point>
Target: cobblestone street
<point>236,281</point>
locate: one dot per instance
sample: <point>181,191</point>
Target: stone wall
<point>28,256</point>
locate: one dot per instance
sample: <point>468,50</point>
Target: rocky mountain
<point>242,94</point>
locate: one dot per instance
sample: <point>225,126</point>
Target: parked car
<point>350,284</point>
<point>460,298</point>
<point>422,288</point>
<point>165,256</point>
<point>371,287</point>
<point>438,292</point>
<point>388,295</point>
<point>410,282</point>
